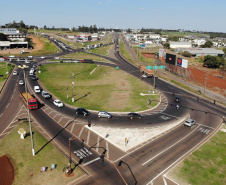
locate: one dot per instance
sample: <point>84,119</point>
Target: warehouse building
<point>196,52</point>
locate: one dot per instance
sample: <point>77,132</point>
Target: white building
<point>199,42</point>
<point>180,44</point>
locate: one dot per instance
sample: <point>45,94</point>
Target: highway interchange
<point>145,164</point>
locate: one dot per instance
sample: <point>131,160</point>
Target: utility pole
<point>29,117</point>
<point>205,82</point>
<point>73,87</point>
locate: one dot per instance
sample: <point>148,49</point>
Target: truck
<point>32,102</point>
<point>147,72</point>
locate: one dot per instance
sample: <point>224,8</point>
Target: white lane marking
<point>98,142</point>
<point>12,97</point>
<point>107,148</point>
<point>151,140</point>
<point>206,126</point>
<point>169,147</point>
<point>80,132</point>
<point>170,179</point>
<point>72,128</point>
<point>7,105</point>
<point>202,142</point>
<point>98,158</point>
<point>88,136</point>
<point>1,114</point>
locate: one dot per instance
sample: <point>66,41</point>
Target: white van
<point>31,72</point>
<point>37,89</point>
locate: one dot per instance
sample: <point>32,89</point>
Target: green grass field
<point>207,165</point>
<point>27,167</point>
<point>106,89</point>
<point>3,70</point>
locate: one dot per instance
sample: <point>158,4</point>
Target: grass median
<point>207,165</point>
<point>105,89</point>
<point>27,167</point>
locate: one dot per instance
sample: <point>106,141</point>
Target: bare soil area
<point>199,74</point>
<point>38,45</point>
<point>6,172</point>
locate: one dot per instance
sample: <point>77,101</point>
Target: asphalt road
<point>145,164</point>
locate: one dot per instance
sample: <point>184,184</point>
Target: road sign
<point>161,67</point>
<point>155,67</point>
<point>149,67</point>
<point>142,45</point>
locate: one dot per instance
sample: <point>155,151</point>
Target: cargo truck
<point>32,102</point>
<point>147,72</point>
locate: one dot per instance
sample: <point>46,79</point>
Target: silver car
<point>104,114</point>
<point>189,122</point>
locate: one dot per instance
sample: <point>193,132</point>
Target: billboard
<point>162,54</point>
<point>170,59</point>
<point>182,63</point>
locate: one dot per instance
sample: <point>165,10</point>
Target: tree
<point>186,54</point>
<point>208,44</point>
<point>167,45</point>
<point>224,50</point>
<point>213,61</point>
<point>3,37</point>
<point>129,30</point>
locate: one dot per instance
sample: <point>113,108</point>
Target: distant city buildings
<point>13,35</point>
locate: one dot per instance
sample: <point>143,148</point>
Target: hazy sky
<point>201,15</point>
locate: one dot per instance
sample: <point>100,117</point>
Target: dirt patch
<point>6,172</point>
<point>148,55</point>
<point>38,45</point>
<point>214,82</point>
<point>198,74</point>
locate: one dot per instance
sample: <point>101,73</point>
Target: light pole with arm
<point>29,119</point>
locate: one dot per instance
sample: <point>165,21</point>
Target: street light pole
<point>205,82</point>
<point>73,87</point>
<point>29,118</point>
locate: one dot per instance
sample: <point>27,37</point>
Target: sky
<point>200,15</point>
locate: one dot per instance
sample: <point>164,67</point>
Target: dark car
<point>82,111</point>
<point>34,78</point>
<point>177,99</point>
<point>133,115</point>
<point>87,61</point>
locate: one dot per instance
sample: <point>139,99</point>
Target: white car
<point>104,114</point>
<point>15,73</point>
<point>58,103</point>
<point>42,57</point>
<point>189,122</point>
<point>21,82</point>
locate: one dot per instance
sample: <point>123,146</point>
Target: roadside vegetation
<point>82,55</point>
<point>4,68</point>
<point>105,89</point>
<point>27,167</point>
<point>204,166</point>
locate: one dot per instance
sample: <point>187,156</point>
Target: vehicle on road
<point>21,82</point>
<point>134,115</point>
<point>104,114</point>
<point>34,77</point>
<point>45,95</point>
<point>145,71</point>
<point>15,73</point>
<point>58,103</point>
<point>42,57</point>
<point>177,99</point>
<point>82,111</point>
<point>37,89</point>
<point>87,61</point>
<point>32,102</point>
<point>189,122</point>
